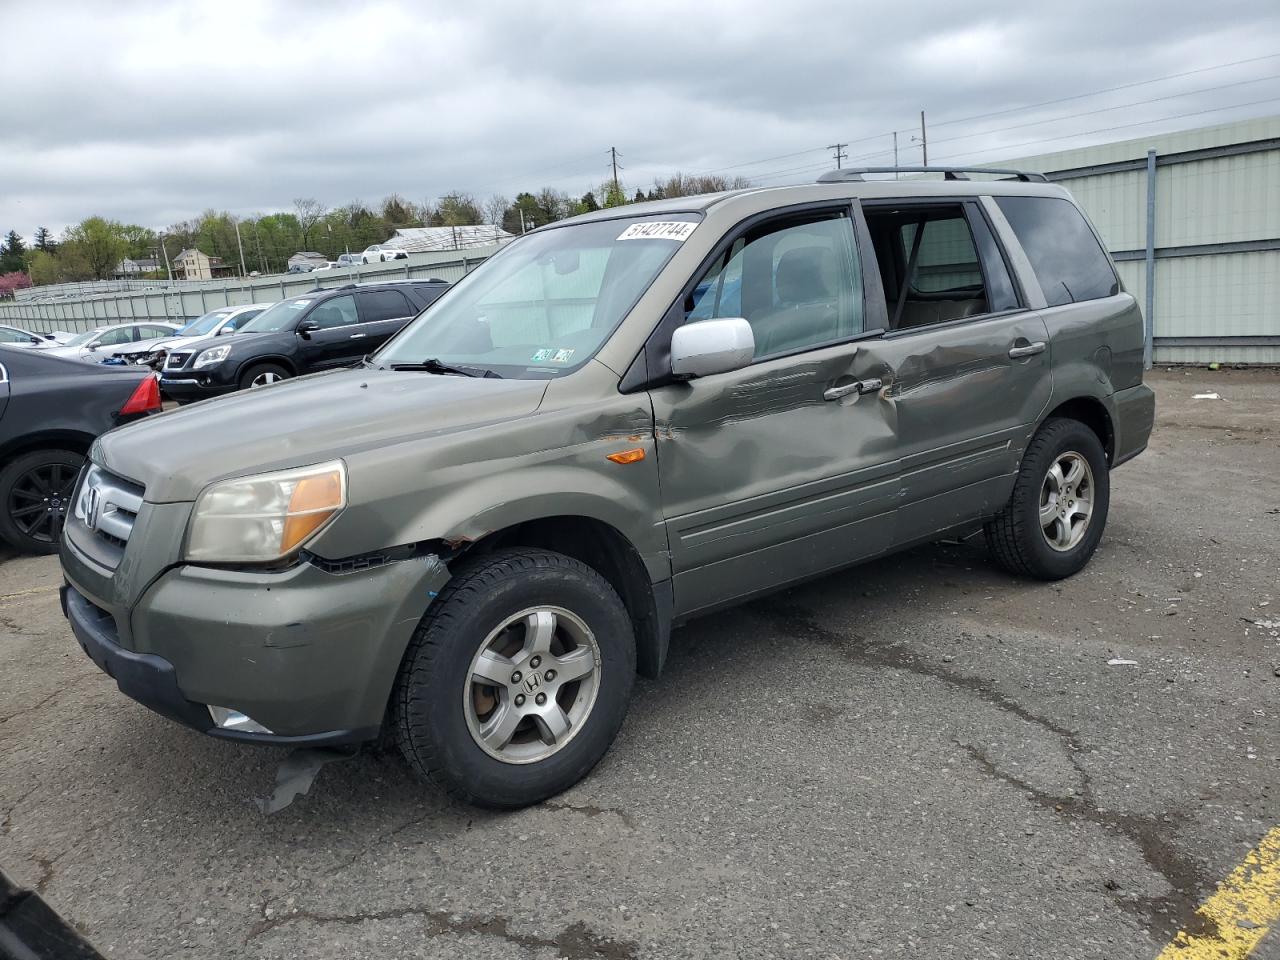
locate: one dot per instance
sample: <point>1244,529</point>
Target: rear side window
<point>1064,253</point>
<point>378,305</point>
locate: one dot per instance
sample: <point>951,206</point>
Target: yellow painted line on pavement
<point>1239,914</point>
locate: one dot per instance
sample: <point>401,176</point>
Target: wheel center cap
<point>532,682</point>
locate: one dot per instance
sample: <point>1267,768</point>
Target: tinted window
<point>117,336</point>
<point>383,305</point>
<point>1064,253</point>
<point>338,312</point>
<point>797,284</point>
<point>149,332</point>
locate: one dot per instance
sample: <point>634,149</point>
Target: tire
<point>439,708</point>
<point>1018,537</point>
<point>263,374</point>
<point>35,498</point>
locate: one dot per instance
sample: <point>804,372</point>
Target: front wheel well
<point>604,549</point>
<point>1093,415</point>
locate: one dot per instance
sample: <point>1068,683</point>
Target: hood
<point>307,420</point>
<point>142,346</point>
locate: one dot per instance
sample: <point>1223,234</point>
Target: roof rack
<point>948,173</point>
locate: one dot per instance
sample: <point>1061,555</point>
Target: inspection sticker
<point>541,355</point>
<point>678,230</point>
<point>562,356</point>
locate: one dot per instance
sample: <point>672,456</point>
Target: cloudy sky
<point>153,112</point>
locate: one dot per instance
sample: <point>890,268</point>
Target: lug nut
<point>551,675</point>
<point>515,677</point>
<point>535,662</point>
<point>520,700</point>
<point>540,699</point>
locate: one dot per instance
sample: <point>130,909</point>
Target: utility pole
<point>613,158</point>
<point>167,268</point>
<point>839,150</point>
<point>895,151</point>
<point>924,140</point>
<point>240,244</point>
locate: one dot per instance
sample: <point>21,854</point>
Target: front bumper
<point>308,654</point>
<point>185,386</point>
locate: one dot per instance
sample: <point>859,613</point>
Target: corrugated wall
<point>1213,200</point>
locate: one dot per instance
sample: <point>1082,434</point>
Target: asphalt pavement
<point>922,757</point>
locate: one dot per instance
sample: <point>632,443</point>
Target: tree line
<point>93,248</point>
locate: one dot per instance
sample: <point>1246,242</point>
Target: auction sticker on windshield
<point>658,230</point>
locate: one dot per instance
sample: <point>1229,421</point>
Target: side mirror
<point>92,347</point>
<point>711,346</point>
<point>308,327</point>
<point>50,336</point>
<point>229,328</point>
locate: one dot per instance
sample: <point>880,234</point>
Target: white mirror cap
<point>712,346</point>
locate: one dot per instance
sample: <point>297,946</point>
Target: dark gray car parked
<point>51,409</point>
<point>619,422</point>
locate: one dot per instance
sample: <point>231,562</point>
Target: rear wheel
<point>1055,517</point>
<point>517,681</point>
<point>263,375</point>
<point>35,497</point>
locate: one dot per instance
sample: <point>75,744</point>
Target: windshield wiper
<point>434,365</point>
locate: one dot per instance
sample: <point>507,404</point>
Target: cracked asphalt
<point>917,758</point>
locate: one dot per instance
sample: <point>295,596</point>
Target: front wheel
<point>263,375</point>
<point>518,679</point>
<point>1055,517</point>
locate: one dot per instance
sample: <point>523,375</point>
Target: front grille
<point>106,508</point>
<point>176,361</point>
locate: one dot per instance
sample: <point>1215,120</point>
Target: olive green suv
<point>475,539</point>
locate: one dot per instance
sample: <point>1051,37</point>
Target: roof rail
<point>948,173</point>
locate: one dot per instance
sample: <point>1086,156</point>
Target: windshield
<point>202,325</point>
<point>547,303</point>
<point>80,339</point>
<point>278,316</point>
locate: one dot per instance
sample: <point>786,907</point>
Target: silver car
<point>92,345</point>
<point>215,323</point>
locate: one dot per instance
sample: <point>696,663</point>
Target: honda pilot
<point>475,540</point>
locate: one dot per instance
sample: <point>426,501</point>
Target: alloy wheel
<point>39,499</point>
<point>532,684</point>
<point>1066,501</point>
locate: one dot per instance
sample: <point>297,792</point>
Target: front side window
<point>1064,252</point>
<point>547,302</point>
<point>338,312</point>
<point>13,336</point>
<point>117,336</point>
<point>796,282</point>
<point>203,325</point>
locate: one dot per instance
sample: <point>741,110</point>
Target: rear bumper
<point>1133,415</point>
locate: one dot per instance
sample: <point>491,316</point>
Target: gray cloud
<point>152,113</point>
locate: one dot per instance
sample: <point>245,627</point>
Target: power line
<point>1124,126</point>
<point>1095,93</point>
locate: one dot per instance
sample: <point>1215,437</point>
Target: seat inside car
<point>806,305</point>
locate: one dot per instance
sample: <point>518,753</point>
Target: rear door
<point>382,315</point>
<point>971,361</point>
<point>780,470</point>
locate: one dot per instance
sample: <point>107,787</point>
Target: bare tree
<point>494,208</point>
<point>309,212</point>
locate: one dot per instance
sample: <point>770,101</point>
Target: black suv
<point>316,331</point>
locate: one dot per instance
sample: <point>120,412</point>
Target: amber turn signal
<point>634,455</point>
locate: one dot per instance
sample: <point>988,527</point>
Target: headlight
<point>267,517</point>
<point>212,356</point>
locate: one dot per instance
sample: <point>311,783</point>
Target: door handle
<point>355,336</point>
<point>858,387</point>
<point>1030,350</point>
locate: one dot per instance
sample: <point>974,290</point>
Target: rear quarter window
<point>1064,252</point>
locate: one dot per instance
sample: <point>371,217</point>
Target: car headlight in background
<point>212,356</point>
<point>265,517</point>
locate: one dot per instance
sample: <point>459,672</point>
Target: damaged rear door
<point>972,364</point>
<point>787,467</point>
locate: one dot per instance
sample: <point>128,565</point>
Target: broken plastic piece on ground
<point>1205,396</point>
<point>1117,662</point>
<point>297,772</point>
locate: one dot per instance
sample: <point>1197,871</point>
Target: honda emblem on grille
<point>90,505</point>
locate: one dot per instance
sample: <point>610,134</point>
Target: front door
<point>971,362</point>
<point>783,469</point>
<point>330,345</point>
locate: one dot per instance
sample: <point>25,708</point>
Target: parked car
<point>93,344</point>
<point>349,259</point>
<point>328,267</point>
<point>51,409</point>
<point>300,268</point>
<point>379,252</point>
<point>476,539</point>
<point>16,336</point>
<point>318,331</point>
<point>215,323</point>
